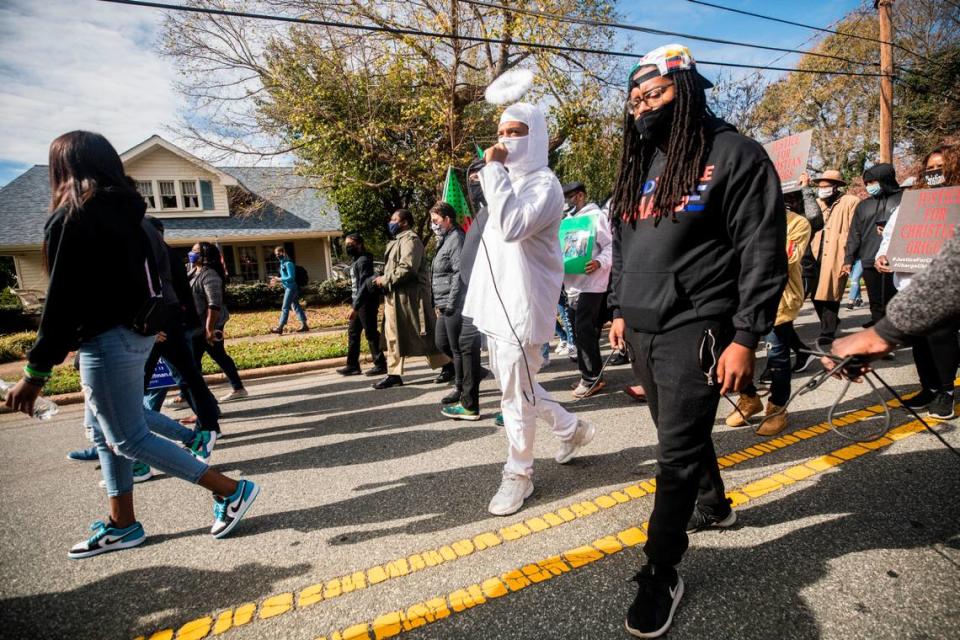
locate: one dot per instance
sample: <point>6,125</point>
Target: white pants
<point>519,414</point>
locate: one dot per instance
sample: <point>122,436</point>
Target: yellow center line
<point>333,588</point>
<point>399,621</point>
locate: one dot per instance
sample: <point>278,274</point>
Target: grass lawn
<point>247,355</point>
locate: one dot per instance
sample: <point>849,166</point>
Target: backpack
<point>301,275</point>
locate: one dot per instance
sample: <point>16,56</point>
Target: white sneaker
<point>561,348</point>
<point>514,489</point>
<point>178,402</point>
<point>236,394</point>
<point>572,352</point>
<point>581,438</point>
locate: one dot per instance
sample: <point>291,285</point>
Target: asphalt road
<point>372,522</point>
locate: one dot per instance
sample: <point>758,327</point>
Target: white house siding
<point>29,266</point>
<point>161,164</point>
<point>312,256</point>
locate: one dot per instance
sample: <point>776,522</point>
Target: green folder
<point>578,236</point>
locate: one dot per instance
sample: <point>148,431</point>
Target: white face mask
<point>516,148</point>
<point>824,192</point>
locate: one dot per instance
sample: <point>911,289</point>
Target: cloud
<point>68,65</point>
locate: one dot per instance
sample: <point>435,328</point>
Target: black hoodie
<point>98,280</point>
<point>721,253</point>
<point>864,238</point>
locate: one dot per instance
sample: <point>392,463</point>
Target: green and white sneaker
<point>227,512</point>
<point>203,443</point>
<point>141,473</point>
<point>106,538</point>
<point>459,412</point>
<point>498,419</point>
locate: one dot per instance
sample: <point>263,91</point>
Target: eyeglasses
<point>652,98</point>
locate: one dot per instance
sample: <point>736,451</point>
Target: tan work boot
<point>774,425</point>
<point>748,406</point>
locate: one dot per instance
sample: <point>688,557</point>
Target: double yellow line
<point>471,596</point>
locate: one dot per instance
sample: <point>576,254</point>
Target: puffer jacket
<point>446,271</point>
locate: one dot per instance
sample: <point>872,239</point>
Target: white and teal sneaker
<point>459,412</point>
<point>203,444</point>
<point>227,512</point>
<point>106,538</point>
<point>141,473</point>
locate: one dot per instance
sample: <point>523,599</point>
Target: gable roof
<point>292,208</point>
<point>154,141</point>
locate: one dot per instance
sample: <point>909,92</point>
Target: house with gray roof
<point>247,211</point>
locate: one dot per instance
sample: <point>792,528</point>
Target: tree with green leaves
<point>384,113</point>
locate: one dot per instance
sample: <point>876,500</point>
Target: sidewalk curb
<point>247,374</point>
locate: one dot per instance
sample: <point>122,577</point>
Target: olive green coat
<point>408,315</point>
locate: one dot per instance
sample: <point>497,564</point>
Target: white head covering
<point>533,155</point>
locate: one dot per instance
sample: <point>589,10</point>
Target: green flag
<point>479,151</point>
<point>453,195</point>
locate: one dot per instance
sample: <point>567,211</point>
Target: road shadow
<point>776,583</point>
<point>111,607</point>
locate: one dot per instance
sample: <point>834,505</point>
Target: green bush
<point>7,299</point>
<point>14,346</point>
<point>330,292</point>
<point>254,296</point>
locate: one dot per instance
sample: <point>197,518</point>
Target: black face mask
<point>476,194</point>
<point>934,178</point>
<point>654,125</point>
<point>353,251</point>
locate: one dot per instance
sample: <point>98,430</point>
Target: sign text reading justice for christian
<point>927,219</point>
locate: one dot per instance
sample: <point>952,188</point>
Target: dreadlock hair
<point>687,146</point>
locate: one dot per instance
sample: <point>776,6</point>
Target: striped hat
<point>666,60</point>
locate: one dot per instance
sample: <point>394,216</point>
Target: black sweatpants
<point>176,350</point>
<point>673,368</point>
<point>937,357</point>
<point>447,338</point>
<point>472,367</point>
<point>365,322</point>
<point>829,313</point>
<point>880,289</point>
<point>219,355</point>
<point>585,318</point>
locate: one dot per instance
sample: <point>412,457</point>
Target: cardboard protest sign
<point>161,378</point>
<point>927,218</point>
<point>578,235</point>
<point>790,157</point>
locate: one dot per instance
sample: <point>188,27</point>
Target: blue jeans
<point>111,374</point>
<point>291,298</point>
<point>778,362</point>
<point>856,272</point>
<point>564,329</point>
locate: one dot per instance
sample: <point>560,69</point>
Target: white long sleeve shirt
<point>901,279</point>
<point>599,280</point>
<point>519,256</point>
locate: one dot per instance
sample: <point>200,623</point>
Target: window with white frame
<point>145,188</point>
<point>191,199</point>
<point>168,194</point>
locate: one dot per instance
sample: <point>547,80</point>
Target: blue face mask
<point>193,257</point>
<point>874,189</point>
<point>393,228</point>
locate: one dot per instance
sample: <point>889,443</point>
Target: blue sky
<point>69,64</point>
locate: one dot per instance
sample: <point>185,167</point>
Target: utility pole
<point>886,80</point>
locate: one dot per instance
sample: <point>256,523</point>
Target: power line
<point>650,30</point>
<point>450,36</point>
<point>809,26</point>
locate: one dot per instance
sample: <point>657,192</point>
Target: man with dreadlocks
<point>699,228</point>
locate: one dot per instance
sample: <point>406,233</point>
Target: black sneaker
<point>702,519</point>
<point>618,358</point>
<point>802,362</point>
<point>446,375</point>
<point>942,406</point>
<point>766,377</point>
<point>451,398</point>
<point>389,381</point>
<point>659,591</point>
<point>349,371</point>
<point>922,399</point>
<point>378,370</point>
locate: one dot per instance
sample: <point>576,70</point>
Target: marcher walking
<point>365,303</point>
<point>291,292</point>
<point>697,276</point>
<point>447,296</point>
<point>513,293</point>
<point>97,212</point>
<point>587,292</point>
<point>408,317</point>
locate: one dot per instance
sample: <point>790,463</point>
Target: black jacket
<point>98,281</point>
<point>361,271</point>
<point>445,274</point>
<point>471,245</point>
<point>720,255</point>
<point>864,238</point>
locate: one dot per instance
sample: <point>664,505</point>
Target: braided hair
<point>687,147</point>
